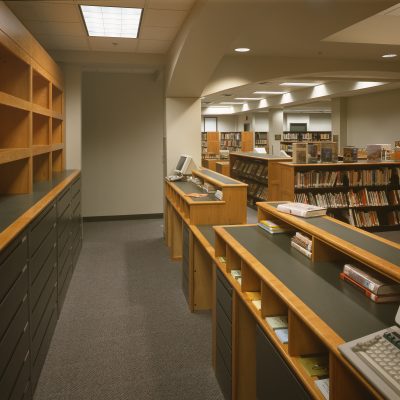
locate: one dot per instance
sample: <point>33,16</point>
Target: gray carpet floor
<point>125,331</point>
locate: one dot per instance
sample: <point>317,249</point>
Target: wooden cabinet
<point>31,110</point>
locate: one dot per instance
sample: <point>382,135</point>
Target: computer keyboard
<point>377,357</point>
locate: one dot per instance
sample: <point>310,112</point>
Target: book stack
<point>302,243</point>
<point>274,226</point>
<point>375,286</point>
<point>237,275</point>
<point>279,324</point>
<point>301,210</point>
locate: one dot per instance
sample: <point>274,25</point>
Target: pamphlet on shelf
<point>277,322</point>
<point>323,386</point>
<point>283,335</point>
<point>315,365</point>
<point>257,304</point>
<point>301,210</point>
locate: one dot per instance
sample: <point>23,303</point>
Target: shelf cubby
<point>15,177</point>
<point>57,160</point>
<point>233,261</point>
<point>57,99</point>
<point>14,74</point>
<point>40,90</point>
<point>271,304</point>
<point>57,130</point>
<point>14,127</point>
<point>40,129</point>
<point>41,167</point>
<point>250,280</point>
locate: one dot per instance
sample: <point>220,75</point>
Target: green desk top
<point>347,311</point>
<point>264,156</point>
<point>359,239</point>
<point>208,232</point>
<point>218,177</point>
<point>190,187</point>
<point>13,206</point>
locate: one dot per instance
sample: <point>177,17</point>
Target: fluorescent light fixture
<point>249,98</point>
<point>242,49</point>
<point>392,55</point>
<point>268,92</point>
<point>112,21</point>
<point>300,84</point>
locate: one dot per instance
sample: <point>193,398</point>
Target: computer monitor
<point>185,165</point>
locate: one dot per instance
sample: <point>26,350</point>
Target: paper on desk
<point>196,195</point>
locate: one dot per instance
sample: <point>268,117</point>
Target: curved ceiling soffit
<point>200,46</point>
<point>233,72</point>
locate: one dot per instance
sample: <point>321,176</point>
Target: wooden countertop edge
<point>28,216</point>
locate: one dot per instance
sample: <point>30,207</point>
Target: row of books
<point>394,197</point>
<point>393,217</point>
<point>302,243</point>
<point>261,142</point>
<point>250,169</point>
<point>307,136</point>
<point>328,200</point>
<point>366,197</point>
<point>351,178</point>
<point>375,286</point>
<point>230,136</point>
<point>363,219</point>
<point>226,144</point>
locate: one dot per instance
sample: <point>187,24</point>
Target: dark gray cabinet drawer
<point>13,300</point>
<point>64,220</point>
<point>224,298</point>
<point>223,377</point>
<point>22,390</point>
<point>42,278</point>
<point>76,204</point>
<point>225,350</point>
<point>15,366</point>
<point>63,201</point>
<point>76,188</point>
<point>224,324</point>
<point>64,241</point>
<point>224,281</point>
<point>41,227</point>
<point>12,261</point>
<point>275,380</point>
<point>15,330</point>
<point>40,257</point>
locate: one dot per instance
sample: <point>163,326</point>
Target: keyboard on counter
<point>377,358</point>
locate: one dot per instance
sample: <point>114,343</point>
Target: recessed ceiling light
<point>298,84</point>
<point>112,21</point>
<point>268,92</point>
<point>391,55</point>
<point>249,98</point>
<point>242,49</point>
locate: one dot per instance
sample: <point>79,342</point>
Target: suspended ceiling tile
<point>45,11</point>
<point>157,33</point>
<point>113,44</point>
<point>59,42</point>
<point>170,4</point>
<point>56,28</point>
<point>163,18</point>
<point>153,46</point>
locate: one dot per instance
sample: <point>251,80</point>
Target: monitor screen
<point>181,161</point>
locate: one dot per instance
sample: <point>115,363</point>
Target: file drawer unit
<point>45,234</point>
<point>223,359</point>
<point>14,319</point>
<point>42,241</point>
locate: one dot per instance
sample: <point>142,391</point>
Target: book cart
<point>323,311</point>
<point>364,194</point>
<point>183,212</point>
<point>259,172</point>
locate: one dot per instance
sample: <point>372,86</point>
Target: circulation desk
<point>323,311</point>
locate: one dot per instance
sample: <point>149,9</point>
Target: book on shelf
<point>374,152</point>
<point>273,226</point>
<point>277,322</point>
<point>301,210</point>
<point>350,154</point>
<point>283,335</point>
<point>300,248</point>
<point>299,153</point>
<point>315,365</point>
<point>312,153</point>
<point>371,280</point>
<point>323,387</point>
<point>390,298</point>
<point>329,152</point>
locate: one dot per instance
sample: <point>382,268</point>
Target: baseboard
<point>122,217</point>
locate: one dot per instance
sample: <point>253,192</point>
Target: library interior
<point>200,199</point>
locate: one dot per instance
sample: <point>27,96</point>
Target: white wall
<point>320,122</point>
<point>261,123</point>
<point>122,139</point>
<point>182,121</point>
<point>225,123</point>
<point>373,118</point>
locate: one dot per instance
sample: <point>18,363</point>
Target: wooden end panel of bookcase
<point>286,185</point>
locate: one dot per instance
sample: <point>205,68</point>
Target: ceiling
<point>285,36</point>
<point>58,25</point>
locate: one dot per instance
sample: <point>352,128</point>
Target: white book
<point>323,386</point>
<point>302,210</point>
<point>301,249</point>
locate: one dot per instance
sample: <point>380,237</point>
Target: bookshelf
<point>237,141</point>
<point>310,137</point>
<point>222,167</point>
<point>364,194</point>
<point>308,292</point>
<point>31,110</point>
<point>210,145</point>
<point>261,140</point>
<point>258,171</point>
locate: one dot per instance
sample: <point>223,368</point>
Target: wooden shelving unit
<point>210,145</point>
<point>309,137</point>
<point>258,171</point>
<point>31,110</point>
<point>308,292</point>
<point>261,140</point>
<point>237,141</point>
<point>364,194</point>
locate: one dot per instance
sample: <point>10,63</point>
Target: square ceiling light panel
<point>112,21</point>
